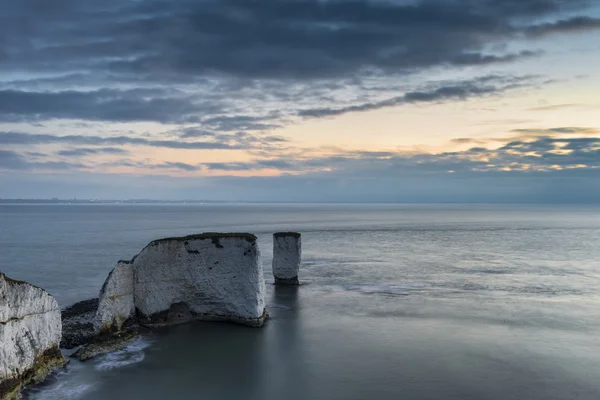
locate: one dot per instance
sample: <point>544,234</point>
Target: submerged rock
<point>30,333</point>
<point>210,276</point>
<point>287,254</point>
<point>78,323</point>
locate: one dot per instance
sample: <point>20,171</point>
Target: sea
<point>397,301</point>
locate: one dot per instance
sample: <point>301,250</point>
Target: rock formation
<point>210,276</point>
<point>116,299</point>
<point>30,333</point>
<point>287,250</point>
<point>78,323</point>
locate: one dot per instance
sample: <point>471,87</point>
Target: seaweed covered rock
<point>30,333</point>
<point>287,254</point>
<point>105,344</point>
<point>209,276</point>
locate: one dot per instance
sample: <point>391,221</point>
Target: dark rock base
<point>180,313</point>
<point>287,282</point>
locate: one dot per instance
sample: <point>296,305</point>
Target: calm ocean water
<point>398,302</point>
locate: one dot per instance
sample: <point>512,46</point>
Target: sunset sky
<point>301,100</point>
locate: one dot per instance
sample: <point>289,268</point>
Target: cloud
<point>542,154</point>
<point>464,90</point>
<point>465,141</point>
<point>558,131</point>
<point>103,105</point>
<point>265,39</point>
<point>230,71</point>
<point>542,169</point>
<point>562,106</point>
<point>228,64</point>
<point>252,166</point>
<point>177,166</point>
<point>10,160</point>
<point>239,123</point>
<point>81,152</point>
<point>571,25</point>
<point>237,141</point>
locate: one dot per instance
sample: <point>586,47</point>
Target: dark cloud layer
<point>230,57</point>
<point>106,105</point>
<point>275,39</point>
<point>452,91</point>
<point>572,25</point>
<point>86,151</point>
<point>13,161</point>
<point>238,141</point>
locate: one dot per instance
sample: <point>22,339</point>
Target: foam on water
<point>280,306</point>
<point>75,381</point>
<point>132,354</point>
<point>314,262</point>
<point>67,384</point>
<point>386,289</point>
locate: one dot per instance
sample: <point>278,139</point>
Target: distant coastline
<point>96,201</point>
<point>155,201</point>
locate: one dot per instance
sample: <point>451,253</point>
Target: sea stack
<point>30,333</point>
<point>209,276</point>
<point>287,252</point>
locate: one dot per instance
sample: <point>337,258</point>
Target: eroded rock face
<point>30,333</point>
<point>116,299</point>
<point>287,254</point>
<point>211,276</point>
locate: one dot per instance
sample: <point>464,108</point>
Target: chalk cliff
<point>30,333</point>
<point>116,299</point>
<point>287,253</point>
<point>209,276</point>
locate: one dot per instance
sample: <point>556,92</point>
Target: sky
<point>301,100</point>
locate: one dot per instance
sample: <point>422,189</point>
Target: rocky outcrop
<point>287,253</point>
<point>105,344</point>
<point>30,333</point>
<point>78,323</point>
<point>210,276</point>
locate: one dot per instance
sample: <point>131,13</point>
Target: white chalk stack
<point>287,254</point>
<point>210,276</point>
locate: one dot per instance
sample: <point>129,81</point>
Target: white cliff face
<point>30,333</point>
<point>208,276</point>
<point>116,299</point>
<point>287,254</point>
